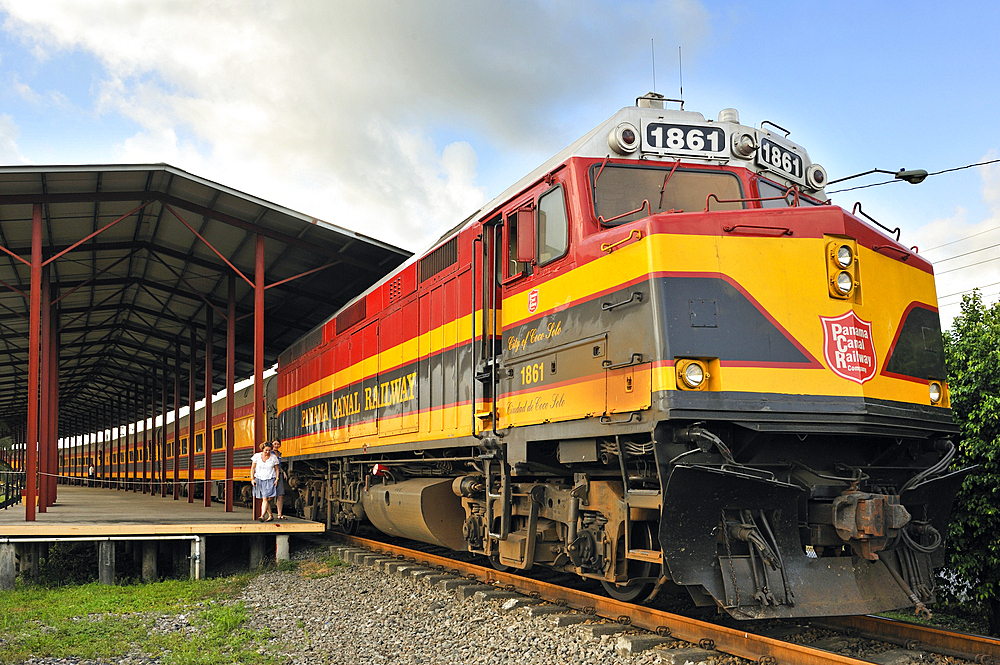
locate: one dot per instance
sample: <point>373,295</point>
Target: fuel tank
<point>424,509</point>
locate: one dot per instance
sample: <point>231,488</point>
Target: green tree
<point>972,351</point>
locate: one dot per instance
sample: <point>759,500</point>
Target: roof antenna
<point>652,52</point>
<point>680,69</point>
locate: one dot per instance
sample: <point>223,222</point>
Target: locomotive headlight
<point>816,176</point>
<point>844,256</point>
<point>935,392</point>
<point>844,282</point>
<point>624,139</point>
<point>744,146</point>
<point>692,374</point>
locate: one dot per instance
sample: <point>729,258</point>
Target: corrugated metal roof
<point>129,296</point>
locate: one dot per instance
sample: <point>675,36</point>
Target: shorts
<point>264,488</point>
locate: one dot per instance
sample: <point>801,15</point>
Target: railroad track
<point>727,640</point>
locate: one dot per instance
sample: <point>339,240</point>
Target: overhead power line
<point>958,256</point>
<point>992,228</point>
<point>886,182</point>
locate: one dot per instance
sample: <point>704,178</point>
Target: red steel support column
<point>177,422</point>
<point>47,466</point>
<point>105,436</point>
<point>209,381</point>
<point>35,311</point>
<point>230,393</point>
<point>116,436</point>
<point>122,441</point>
<point>134,418</point>
<point>192,398</point>
<point>144,455</point>
<point>163,435</point>
<point>54,401</point>
<point>259,426</point>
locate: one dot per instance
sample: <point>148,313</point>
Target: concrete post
<point>198,557</point>
<point>149,551</point>
<point>281,548</point>
<point>8,570</point>
<point>181,551</point>
<point>256,551</point>
<point>30,562</point>
<point>106,561</point>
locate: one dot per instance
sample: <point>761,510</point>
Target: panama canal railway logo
<point>532,301</point>
<point>848,346</point>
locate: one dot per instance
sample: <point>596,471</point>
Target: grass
<point>323,566</point>
<point>95,621</point>
<point>950,616</point>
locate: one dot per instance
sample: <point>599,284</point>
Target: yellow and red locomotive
<point>662,360</point>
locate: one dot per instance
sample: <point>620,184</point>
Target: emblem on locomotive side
<point>848,347</point>
<point>532,300</point>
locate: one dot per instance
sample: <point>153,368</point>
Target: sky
<point>399,119</point>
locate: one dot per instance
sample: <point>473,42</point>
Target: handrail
<point>12,485</point>
<point>609,247</point>
<point>608,306</point>
<point>785,231</point>
<point>791,189</point>
<point>645,204</point>
<point>857,208</point>
<point>905,254</point>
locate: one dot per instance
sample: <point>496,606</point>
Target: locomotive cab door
<point>553,349</point>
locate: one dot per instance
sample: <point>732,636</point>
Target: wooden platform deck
<point>86,511</point>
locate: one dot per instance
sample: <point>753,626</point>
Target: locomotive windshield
<point>621,189</point>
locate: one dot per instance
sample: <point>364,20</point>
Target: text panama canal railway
<point>662,360</point>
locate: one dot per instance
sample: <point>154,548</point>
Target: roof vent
<point>729,115</point>
<point>651,100</point>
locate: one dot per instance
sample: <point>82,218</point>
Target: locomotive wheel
<point>349,525</point>
<point>631,591</point>
<point>495,562</point>
<point>246,495</point>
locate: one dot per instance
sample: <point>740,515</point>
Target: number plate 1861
<point>780,160</point>
<point>685,139</point>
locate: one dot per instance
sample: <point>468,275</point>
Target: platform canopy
<point>138,257</point>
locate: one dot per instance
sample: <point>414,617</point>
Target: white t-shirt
<point>266,468</point>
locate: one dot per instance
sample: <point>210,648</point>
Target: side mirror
<point>526,235</point>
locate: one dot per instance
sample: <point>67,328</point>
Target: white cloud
<point>966,251</point>
<point>9,152</point>
<point>363,114</point>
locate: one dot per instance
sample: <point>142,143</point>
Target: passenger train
<point>664,361</point>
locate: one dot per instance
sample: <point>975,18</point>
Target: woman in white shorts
<point>263,476</point>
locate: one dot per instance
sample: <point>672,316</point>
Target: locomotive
<point>664,361</point>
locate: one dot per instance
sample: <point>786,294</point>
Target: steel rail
<point>728,640</point>
<point>975,648</point>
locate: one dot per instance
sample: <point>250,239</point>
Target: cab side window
<point>553,226</point>
<point>515,267</point>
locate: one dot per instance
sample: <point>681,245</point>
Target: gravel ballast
<point>362,615</point>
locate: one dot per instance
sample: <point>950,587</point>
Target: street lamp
<point>913,177</point>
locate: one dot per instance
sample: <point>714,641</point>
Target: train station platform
<point>113,518</point>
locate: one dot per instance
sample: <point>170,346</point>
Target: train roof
<point>598,143</point>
